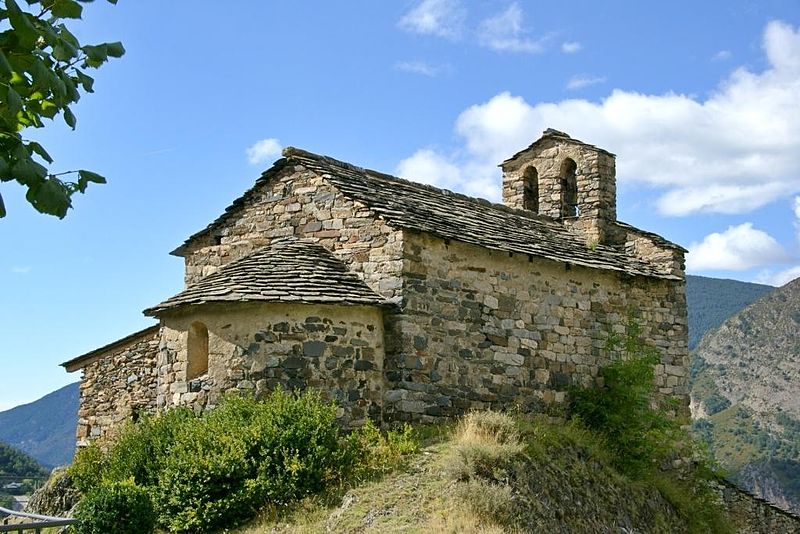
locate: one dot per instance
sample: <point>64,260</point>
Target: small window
<point>197,351</point>
<point>530,191</point>
<point>569,188</point>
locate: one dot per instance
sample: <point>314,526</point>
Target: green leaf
<point>51,197</point>
<point>67,9</point>
<point>96,52</point>
<point>115,49</point>
<point>49,109</point>
<point>5,170</point>
<point>69,118</point>
<point>67,36</point>
<point>29,172</point>
<point>22,25</point>
<point>93,177</point>
<point>33,146</point>
<point>86,80</point>
<point>42,76</point>
<point>5,67</point>
<point>72,89</point>
<point>62,53</point>
<point>14,101</point>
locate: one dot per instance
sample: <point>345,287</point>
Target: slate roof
<point>450,215</point>
<point>288,270</point>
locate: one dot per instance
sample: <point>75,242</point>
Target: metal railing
<point>39,522</point>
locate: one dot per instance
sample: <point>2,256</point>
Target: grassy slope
<point>559,480</point>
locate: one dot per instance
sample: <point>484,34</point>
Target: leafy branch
<point>42,72</point>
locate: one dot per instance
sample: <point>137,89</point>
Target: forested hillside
<point>44,429</point>
<point>712,300</point>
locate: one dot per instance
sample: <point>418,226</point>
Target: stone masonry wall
<point>300,203</point>
<point>483,329</point>
<point>259,347</point>
<point>752,515</point>
<point>651,248</point>
<point>117,387</point>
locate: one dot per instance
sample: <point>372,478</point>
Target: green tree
<point>42,72</point>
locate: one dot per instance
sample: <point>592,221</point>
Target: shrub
<point>217,469</point>
<point>637,427</point>
<point>136,452</point>
<point>119,507</point>
<point>244,454</point>
<point>370,452</point>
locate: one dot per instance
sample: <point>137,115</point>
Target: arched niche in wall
<point>197,350</point>
<point>569,188</point>
<point>530,189</point>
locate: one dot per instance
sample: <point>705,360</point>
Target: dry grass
<point>423,498</point>
<point>484,445</point>
<point>492,474</point>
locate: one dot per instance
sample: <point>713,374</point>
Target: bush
<point>244,454</point>
<point>370,452</point>
<point>119,507</point>
<point>137,451</point>
<point>637,427</point>
<point>216,470</point>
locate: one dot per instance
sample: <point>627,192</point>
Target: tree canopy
<point>42,72</point>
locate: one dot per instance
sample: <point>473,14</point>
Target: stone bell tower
<point>567,180</point>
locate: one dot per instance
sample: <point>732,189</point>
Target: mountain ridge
<point>45,428</point>
<point>744,395</point>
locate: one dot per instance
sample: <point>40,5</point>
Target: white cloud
<point>732,152</point>
<point>427,166</point>
<point>736,249</point>
<point>422,68</point>
<point>264,150</point>
<point>719,198</point>
<point>571,47</point>
<point>442,18</point>
<point>722,55</point>
<point>21,269</point>
<point>797,216</point>
<point>579,82</point>
<point>504,33</point>
<point>779,278</point>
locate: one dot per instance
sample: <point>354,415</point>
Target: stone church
<point>401,301</point>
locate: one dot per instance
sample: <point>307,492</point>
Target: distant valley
<point>745,376</point>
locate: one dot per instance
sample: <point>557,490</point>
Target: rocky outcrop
<point>57,498</point>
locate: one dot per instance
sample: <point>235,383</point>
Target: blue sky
<point>699,100</point>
